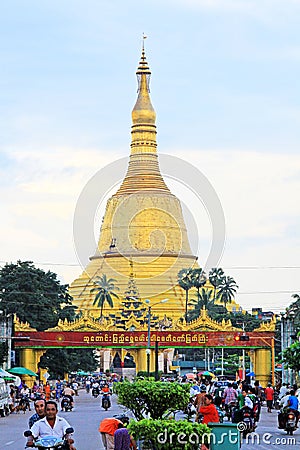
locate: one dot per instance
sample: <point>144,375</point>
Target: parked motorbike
<point>123,418</point>
<point>106,401</point>
<point>290,422</point>
<point>66,404</point>
<point>190,411</point>
<point>51,442</point>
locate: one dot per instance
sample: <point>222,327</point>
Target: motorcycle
<point>247,424</point>
<point>123,418</point>
<point>24,403</point>
<point>66,404</point>
<point>95,392</point>
<point>290,422</point>
<point>105,401</point>
<point>51,442</point>
<point>190,411</point>
<point>229,410</point>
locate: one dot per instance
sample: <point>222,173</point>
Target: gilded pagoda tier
<point>156,278</point>
<point>144,223</point>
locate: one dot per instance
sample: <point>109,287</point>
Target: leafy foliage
<point>226,290</point>
<point>34,296</point>
<point>59,361</point>
<point>155,398</point>
<point>291,356</point>
<point>169,434</point>
<point>184,278</point>
<point>104,288</point>
<point>216,276</point>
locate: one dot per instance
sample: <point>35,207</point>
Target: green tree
<point>104,288</point>
<point>184,278</point>
<point>291,356</point>
<point>198,278</point>
<point>216,276</point>
<point>226,290</point>
<point>59,361</point>
<point>34,296</point>
<point>204,300</point>
<point>156,398</point>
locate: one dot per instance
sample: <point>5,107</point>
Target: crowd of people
<point>237,396</point>
<point>211,400</point>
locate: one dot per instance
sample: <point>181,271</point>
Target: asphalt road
<point>87,415</point>
<point>84,418</point>
<point>268,436</point>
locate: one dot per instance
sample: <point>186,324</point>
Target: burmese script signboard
<point>137,339</point>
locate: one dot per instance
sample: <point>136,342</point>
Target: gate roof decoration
<point>89,332</point>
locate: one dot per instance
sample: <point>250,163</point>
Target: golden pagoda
<point>143,230</point>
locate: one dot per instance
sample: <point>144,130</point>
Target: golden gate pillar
<point>29,358</point>
<point>262,366</point>
<point>143,229</point>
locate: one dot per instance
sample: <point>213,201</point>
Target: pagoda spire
<point>143,170</point>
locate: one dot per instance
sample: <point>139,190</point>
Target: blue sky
<point>225,87</point>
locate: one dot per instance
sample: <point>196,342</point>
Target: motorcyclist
<point>50,425</point>
<point>40,413</point>
<point>106,390</point>
<point>95,387</point>
<point>294,404</point>
<point>25,396</point>
<point>230,397</point>
<point>69,392</point>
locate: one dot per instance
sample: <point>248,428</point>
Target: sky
<point>225,88</point>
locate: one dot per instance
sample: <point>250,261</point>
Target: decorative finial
<point>143,41</point>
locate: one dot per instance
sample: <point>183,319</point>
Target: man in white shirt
<point>51,425</point>
<point>283,391</point>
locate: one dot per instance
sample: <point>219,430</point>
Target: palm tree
<point>198,278</point>
<point>227,290</point>
<point>216,276</point>
<point>205,299</point>
<point>105,291</point>
<point>185,282</point>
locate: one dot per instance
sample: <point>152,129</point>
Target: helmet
<point>203,388</point>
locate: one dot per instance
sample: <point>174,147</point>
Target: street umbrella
<point>207,374</point>
<point>9,377</point>
<point>83,373</point>
<point>22,371</point>
<point>190,375</point>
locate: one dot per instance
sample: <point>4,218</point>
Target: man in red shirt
<point>107,429</point>
<point>269,393</point>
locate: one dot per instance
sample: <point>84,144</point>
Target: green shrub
<point>169,434</point>
<point>145,397</point>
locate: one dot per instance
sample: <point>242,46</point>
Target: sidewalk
<point>268,436</point>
